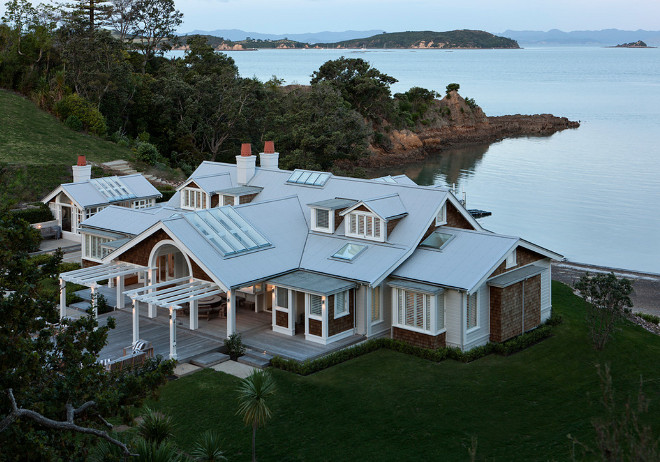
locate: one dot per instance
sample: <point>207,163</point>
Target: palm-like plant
<point>252,406</point>
<point>207,448</point>
<point>155,427</point>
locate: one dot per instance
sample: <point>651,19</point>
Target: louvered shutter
<point>315,305</point>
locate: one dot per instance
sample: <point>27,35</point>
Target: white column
<point>110,283</point>
<point>273,311</point>
<point>136,321</point>
<point>120,292</point>
<point>172,333</point>
<point>194,315</point>
<point>94,292</point>
<point>152,311</point>
<point>369,302</point>
<point>324,317</point>
<point>231,313</point>
<point>62,298</point>
<point>293,312</point>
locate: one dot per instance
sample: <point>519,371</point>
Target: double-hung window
<point>341,304</point>
<point>365,225</point>
<point>92,247</point>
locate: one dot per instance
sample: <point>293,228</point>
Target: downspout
<point>523,307</point>
<point>463,313</point>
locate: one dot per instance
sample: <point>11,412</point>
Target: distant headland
<point>637,44</point>
<point>456,39</point>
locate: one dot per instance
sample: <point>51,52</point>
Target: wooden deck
<point>255,329</point>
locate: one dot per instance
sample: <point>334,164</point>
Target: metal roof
<point>517,275</point>
<point>334,204</point>
<point>241,190</point>
<point>387,207</point>
<point>101,191</point>
<point>114,245</point>
<point>128,221</point>
<point>113,188</point>
<point>312,283</point>
<point>211,183</point>
<point>309,178</point>
<point>102,233</point>
<point>462,263</point>
<point>416,286</point>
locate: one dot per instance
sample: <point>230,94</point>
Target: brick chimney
<point>245,164</point>
<point>82,171</point>
<point>269,158</point>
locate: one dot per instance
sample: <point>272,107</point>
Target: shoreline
<point>646,286</point>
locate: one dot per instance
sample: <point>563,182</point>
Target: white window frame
<point>468,326</point>
<point>429,305</point>
<point>228,196</point>
<point>346,309</point>
<point>376,300</point>
<point>377,232</point>
<point>441,217</point>
<point>142,203</point>
<point>193,199</point>
<point>91,211</point>
<point>512,259</point>
<point>331,220</point>
<point>318,317</point>
<point>285,291</point>
<point>91,247</point>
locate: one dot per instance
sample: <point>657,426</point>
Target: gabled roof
<point>241,190</point>
<point>210,183</point>
<point>106,190</point>
<point>333,204</point>
<point>128,221</point>
<point>386,207</point>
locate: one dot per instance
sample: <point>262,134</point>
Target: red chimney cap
<point>246,149</point>
<point>269,147</point>
<point>82,161</point>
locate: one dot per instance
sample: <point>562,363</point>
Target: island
<point>456,39</point>
<point>637,44</point>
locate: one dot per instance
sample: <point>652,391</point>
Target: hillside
<point>237,35</point>
<point>429,39</point>
<point>221,44</point>
<point>36,143</point>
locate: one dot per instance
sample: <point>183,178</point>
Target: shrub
<point>167,194</point>
<point>74,123</point>
<point>208,447</point>
<point>34,214</point>
<point>452,87</point>
<point>471,103</point>
<point>155,427</point>
<point>653,319</point>
<point>90,117</point>
<point>235,347</point>
<point>147,153</point>
<point>102,304</point>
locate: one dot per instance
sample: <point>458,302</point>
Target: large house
<point>327,256</point>
<point>72,203</point>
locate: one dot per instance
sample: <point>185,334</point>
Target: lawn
<point>30,136</point>
<point>389,406</point>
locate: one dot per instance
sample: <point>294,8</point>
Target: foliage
<point>608,296</point>
<point>414,104</point>
<point>234,346</point>
<point>51,365</point>
<point>314,128</point>
<point>155,427</point>
<point>452,87</point>
<point>507,348</point>
<point>102,305</point>
<point>74,123</point>
<point>90,117</point>
<point>147,153</point>
<point>621,435</point>
<point>254,393</point>
<point>167,194</point>
<point>365,88</point>
<point>208,448</point>
<point>653,319</point>
<point>153,26</point>
<point>472,104</point>
<point>37,214</point>
<point>149,451</point>
<point>444,40</point>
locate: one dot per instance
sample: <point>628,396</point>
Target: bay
<point>591,194</point>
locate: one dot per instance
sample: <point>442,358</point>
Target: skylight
<point>349,251</point>
<point>227,231</point>
<point>437,240</point>
<point>308,177</point>
<point>113,188</point>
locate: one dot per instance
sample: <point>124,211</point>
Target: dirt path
<point>646,286</point>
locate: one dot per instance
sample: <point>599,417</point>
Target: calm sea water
<point>591,194</point>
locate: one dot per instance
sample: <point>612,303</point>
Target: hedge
<point>34,214</point>
<point>167,194</point>
<point>504,349</point>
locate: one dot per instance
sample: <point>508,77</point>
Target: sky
<point>300,16</point>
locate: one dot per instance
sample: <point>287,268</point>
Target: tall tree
<point>253,394</point>
<point>154,26</point>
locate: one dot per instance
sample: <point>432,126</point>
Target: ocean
<point>591,194</point>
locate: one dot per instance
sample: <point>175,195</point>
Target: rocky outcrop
<point>454,122</point>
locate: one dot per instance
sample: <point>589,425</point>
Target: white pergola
<point>171,295</point>
<point>92,275</point>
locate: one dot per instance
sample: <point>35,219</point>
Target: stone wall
<point>419,339</point>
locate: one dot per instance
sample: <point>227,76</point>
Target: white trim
<point>158,245</point>
<point>328,340</point>
<point>382,227</point>
<point>331,220</point>
<point>441,220</point>
<point>283,330</point>
<point>463,211</point>
<point>347,305</point>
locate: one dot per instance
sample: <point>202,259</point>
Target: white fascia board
<point>542,250</point>
<point>52,194</point>
<point>350,209</point>
<point>463,211</point>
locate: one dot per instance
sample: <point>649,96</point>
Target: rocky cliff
<point>453,122</point>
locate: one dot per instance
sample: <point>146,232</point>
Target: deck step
<point>209,359</point>
<point>256,359</point>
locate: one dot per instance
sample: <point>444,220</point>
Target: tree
<point>452,87</point>
<point>364,87</point>
<point>607,296</point>
<point>154,26</point>
<point>253,392</point>
<point>51,384</point>
<point>122,17</point>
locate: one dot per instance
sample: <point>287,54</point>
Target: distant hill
<point>429,39</point>
<point>606,37</point>
<point>222,44</point>
<point>236,35</point>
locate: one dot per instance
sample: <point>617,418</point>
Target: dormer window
<point>364,225</point>
<point>322,220</point>
<point>193,199</point>
<point>441,217</point>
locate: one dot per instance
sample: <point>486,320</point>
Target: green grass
<point>38,150</point>
<point>389,406</point>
